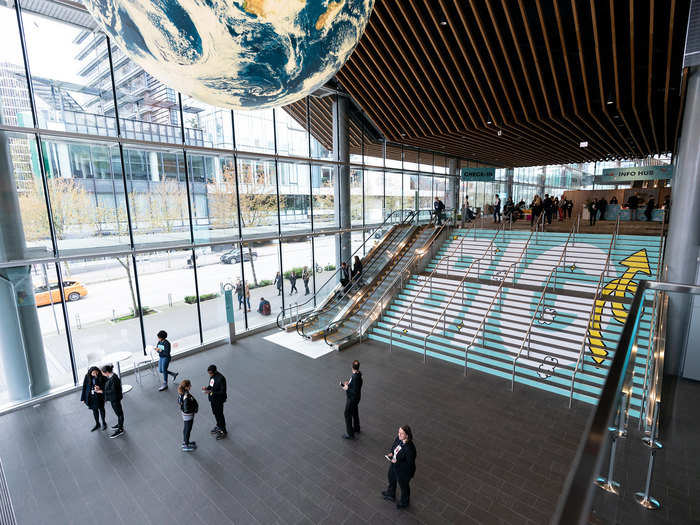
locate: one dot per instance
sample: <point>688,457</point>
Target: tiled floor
<point>485,455</point>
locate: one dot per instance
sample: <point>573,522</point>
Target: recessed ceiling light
<point>443,22</point>
<point>583,144</point>
<point>500,133</point>
<point>488,122</point>
<point>403,134</point>
<point>609,102</point>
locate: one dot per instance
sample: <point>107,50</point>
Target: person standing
<point>239,293</point>
<point>93,398</point>
<point>548,206</point>
<point>188,408</point>
<point>356,271</point>
<point>246,293</point>
<point>649,209</point>
<point>305,277</point>
<point>216,390</point>
<point>633,205</point>
<point>293,283</point>
<point>535,210</point>
<point>569,207</point>
<point>278,283</point>
<point>497,209</point>
<point>353,393</point>
<point>344,276</point>
<point>591,207</point>
<point>438,207</point>
<point>113,394</point>
<point>602,206</point>
<point>402,456</point>
<point>466,211</point>
<point>163,349</point>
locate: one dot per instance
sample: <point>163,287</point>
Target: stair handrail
<point>429,279</point>
<point>406,268</point>
<point>353,286</point>
<point>579,360</point>
<point>475,262</point>
<point>297,305</point>
<point>652,331</point>
<point>499,292</point>
<point>552,272</point>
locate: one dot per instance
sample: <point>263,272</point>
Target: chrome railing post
<point>608,484</point>
<point>643,498</point>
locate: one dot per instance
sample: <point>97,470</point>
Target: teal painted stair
<point>557,336</point>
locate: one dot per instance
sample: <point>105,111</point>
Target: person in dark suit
<point>402,456</point>
<point>345,276</point>
<point>356,271</point>
<point>353,393</point>
<point>216,389</point>
<point>113,394</point>
<point>93,399</point>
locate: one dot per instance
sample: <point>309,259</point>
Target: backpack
<point>266,310</point>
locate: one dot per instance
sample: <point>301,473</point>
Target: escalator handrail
<point>335,299</point>
<point>299,306</point>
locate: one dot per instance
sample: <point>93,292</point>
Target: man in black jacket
<point>113,394</point>
<point>353,392</point>
<point>217,397</point>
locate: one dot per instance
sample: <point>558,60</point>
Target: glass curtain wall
<point>159,202</point>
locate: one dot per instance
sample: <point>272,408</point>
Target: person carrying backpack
<point>188,408</point>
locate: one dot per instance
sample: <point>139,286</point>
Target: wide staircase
<point>537,308</point>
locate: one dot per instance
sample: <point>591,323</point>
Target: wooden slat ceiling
<point>448,75</point>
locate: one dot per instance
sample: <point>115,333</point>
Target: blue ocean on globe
<point>236,54</point>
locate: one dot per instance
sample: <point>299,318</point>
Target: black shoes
<point>401,505</point>
<point>387,496</point>
<point>346,436</point>
<point>221,435</point>
<point>117,433</point>
<point>115,427</point>
<point>96,427</point>
<point>214,430</point>
<point>175,376</point>
<point>104,426</point>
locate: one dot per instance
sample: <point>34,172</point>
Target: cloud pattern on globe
<point>236,53</point>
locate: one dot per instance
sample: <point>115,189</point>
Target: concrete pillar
<point>452,198</point>
<point>22,358</point>
<point>509,183</point>
<point>341,150</point>
<point>684,228</point>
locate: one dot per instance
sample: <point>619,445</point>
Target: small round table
<point>116,357</point>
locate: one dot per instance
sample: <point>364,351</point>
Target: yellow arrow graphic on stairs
<point>635,263</point>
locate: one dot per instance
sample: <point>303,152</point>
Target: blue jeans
<point>163,364</point>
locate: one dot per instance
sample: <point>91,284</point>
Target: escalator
<point>312,325</point>
<point>394,226</point>
<point>345,328</point>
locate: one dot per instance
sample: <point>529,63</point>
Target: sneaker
<point>164,387</point>
<point>115,427</point>
<point>96,427</point>
<point>214,430</point>
<point>193,444</point>
<point>175,376</point>
<point>117,433</point>
<point>388,496</point>
<point>221,435</point>
<point>347,436</point>
<point>188,448</point>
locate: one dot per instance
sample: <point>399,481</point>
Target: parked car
<point>72,291</point>
<point>234,256</point>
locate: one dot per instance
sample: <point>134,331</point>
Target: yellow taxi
<point>72,291</point>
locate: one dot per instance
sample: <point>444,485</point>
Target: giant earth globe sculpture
<point>236,53</point>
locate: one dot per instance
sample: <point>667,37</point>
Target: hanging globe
<point>236,53</point>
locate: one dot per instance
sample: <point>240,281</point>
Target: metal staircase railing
<point>487,253</point>
<point>574,229</point>
<point>385,299</point>
<point>580,359</point>
<point>498,294</point>
<point>430,279</point>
